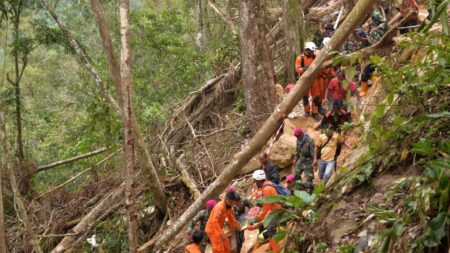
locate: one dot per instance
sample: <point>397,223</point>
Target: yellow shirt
<point>329,150</point>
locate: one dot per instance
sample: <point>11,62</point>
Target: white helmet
<point>311,46</point>
<point>326,40</point>
<point>259,175</point>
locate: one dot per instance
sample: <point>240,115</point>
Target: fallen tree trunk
<point>268,129</point>
<point>222,87</point>
<point>186,177</point>
<point>18,200</point>
<point>219,91</point>
<point>76,176</point>
<point>86,222</point>
<point>384,44</point>
<point>317,13</point>
<point>70,160</point>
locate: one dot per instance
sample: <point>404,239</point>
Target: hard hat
<point>311,46</point>
<point>259,175</point>
<point>326,40</point>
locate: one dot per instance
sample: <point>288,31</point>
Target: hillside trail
<point>307,124</point>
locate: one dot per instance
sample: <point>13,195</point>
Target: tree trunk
<point>130,196</point>
<point>229,10</point>
<point>269,127</point>
<point>295,35</point>
<point>20,152</point>
<point>257,69</point>
<point>70,160</point>
<point>88,220</point>
<point>200,36</point>
<point>18,201</point>
<point>152,176</point>
<point>3,160</point>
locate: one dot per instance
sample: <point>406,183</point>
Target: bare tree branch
<point>269,127</point>
<point>70,160</point>
<point>223,17</point>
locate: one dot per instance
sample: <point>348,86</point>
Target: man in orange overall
<point>194,247</point>
<point>214,228</point>
<point>268,189</point>
<point>302,63</point>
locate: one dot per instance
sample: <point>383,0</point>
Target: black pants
<point>410,22</point>
<point>367,72</point>
<point>271,229</point>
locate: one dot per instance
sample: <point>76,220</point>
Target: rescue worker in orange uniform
<point>194,247</point>
<point>302,63</point>
<point>214,228</point>
<point>268,189</point>
<point>324,77</point>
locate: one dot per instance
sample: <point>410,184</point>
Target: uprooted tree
<point>355,17</point>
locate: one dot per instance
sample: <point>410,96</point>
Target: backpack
<point>281,190</point>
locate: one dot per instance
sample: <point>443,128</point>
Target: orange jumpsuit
<point>214,228</point>
<point>268,207</point>
<point>325,75</point>
<point>315,88</point>
<point>192,248</point>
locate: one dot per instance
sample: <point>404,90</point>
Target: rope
<point>274,138</point>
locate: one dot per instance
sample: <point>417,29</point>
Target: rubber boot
<point>364,87</point>
<point>274,246</point>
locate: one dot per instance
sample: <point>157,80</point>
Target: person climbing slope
<point>335,118</point>
<point>325,151</point>
<point>195,246</point>
<point>336,91</point>
<point>302,63</point>
<point>202,217</point>
<point>240,210</point>
<point>214,228</point>
<point>290,183</point>
<point>269,168</point>
<point>268,189</point>
<point>304,157</point>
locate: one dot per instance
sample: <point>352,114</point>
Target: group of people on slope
<point>230,212</point>
<point>332,87</point>
<point>331,84</point>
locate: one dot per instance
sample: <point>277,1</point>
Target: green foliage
<point>111,235</point>
<point>346,248</point>
<point>293,211</point>
<point>167,66</point>
<point>414,123</point>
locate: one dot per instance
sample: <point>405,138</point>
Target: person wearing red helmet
<point>304,156</point>
<point>202,217</point>
<point>214,228</point>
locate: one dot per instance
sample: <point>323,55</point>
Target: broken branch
<point>77,175</point>
<point>73,159</point>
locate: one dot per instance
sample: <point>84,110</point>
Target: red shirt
<point>337,91</point>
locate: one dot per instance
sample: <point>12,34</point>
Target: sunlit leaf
<point>271,217</point>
